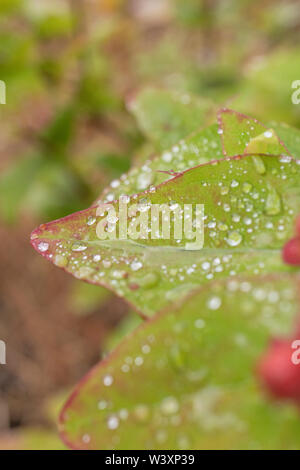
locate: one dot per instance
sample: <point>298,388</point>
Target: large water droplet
<point>273,202</point>
<point>60,261</point>
<point>259,165</point>
<point>234,238</point>
<point>77,246</point>
<point>214,303</point>
<point>43,246</point>
<point>113,422</point>
<point>169,406</point>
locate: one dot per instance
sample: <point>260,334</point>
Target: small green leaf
<point>237,130</point>
<point>186,379</point>
<point>242,134</point>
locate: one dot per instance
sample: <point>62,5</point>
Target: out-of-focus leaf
<point>124,329</point>
<point>267,89</point>
<point>85,298</point>
<point>59,133</point>
<point>289,135</point>
<point>186,379</point>
<point>40,186</point>
<point>15,184</point>
<point>31,439</point>
<point>166,117</point>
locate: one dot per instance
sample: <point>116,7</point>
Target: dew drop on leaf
<point>43,246</point>
<point>60,261</point>
<point>78,247</point>
<point>234,238</point>
<point>113,422</point>
<point>259,165</point>
<point>273,202</point>
<point>214,303</point>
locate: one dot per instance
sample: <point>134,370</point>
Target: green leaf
<point>249,214</point>
<point>165,117</point>
<point>290,136</point>
<point>239,131</point>
<point>267,90</point>
<point>186,379</point>
<point>201,147</point>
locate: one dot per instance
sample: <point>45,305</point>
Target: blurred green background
<point>71,67</point>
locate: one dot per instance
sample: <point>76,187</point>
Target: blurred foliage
<point>84,298</point>
<point>71,65</point>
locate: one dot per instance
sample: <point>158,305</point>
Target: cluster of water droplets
<point>200,148</point>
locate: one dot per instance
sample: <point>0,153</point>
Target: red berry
<point>277,372</point>
<point>291,252</point>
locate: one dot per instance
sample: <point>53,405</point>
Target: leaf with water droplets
<point>186,379</point>
<point>248,218</point>
<point>165,117</point>
<point>242,134</point>
<point>200,147</point>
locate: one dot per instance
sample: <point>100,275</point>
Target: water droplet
<point>146,349</point>
<point>199,323</point>
<point>113,422</point>
<point>43,246</point>
<point>60,261</point>
<point>259,165</point>
<point>86,438</point>
<point>78,247</point>
<point>169,406</point>
<point>247,188</point>
<point>102,404</point>
<point>224,190</point>
<point>141,412</point>
<point>147,281</point>
<point>83,272</point>
<point>268,134</point>
<point>222,227</point>
<point>234,238</point>
<point>214,303</point>
<point>167,157</point>
<point>273,202</point>
<point>144,180</point>
<point>91,220</point>
<point>108,380</point>
<point>136,265</point>
<point>138,361</point>
<point>205,265</point>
